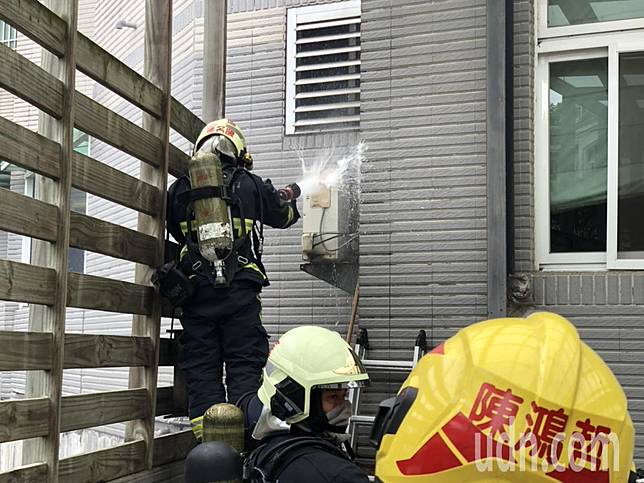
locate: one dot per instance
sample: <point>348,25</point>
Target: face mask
<point>339,415</point>
<point>268,424</point>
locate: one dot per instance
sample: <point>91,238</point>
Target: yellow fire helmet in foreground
<point>507,400</point>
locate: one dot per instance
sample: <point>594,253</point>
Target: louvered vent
<point>323,68</point>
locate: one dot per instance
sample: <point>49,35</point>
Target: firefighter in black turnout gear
<point>217,216</point>
<point>300,433</point>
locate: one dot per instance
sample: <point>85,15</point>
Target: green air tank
<point>224,422</point>
<point>212,215</point>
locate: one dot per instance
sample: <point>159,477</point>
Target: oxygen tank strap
<point>205,192</point>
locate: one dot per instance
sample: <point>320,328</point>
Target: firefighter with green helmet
<point>217,215</point>
<point>300,414</point>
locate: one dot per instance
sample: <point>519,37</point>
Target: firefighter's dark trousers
<point>222,326</point>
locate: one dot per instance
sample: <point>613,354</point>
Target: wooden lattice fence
<point>50,154</point>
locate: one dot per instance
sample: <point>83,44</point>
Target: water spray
<point>331,189</point>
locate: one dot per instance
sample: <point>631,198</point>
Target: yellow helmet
<point>229,138</point>
<point>508,400</point>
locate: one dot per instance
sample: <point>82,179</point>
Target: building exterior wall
<point>607,307</point>
<point>423,215</point>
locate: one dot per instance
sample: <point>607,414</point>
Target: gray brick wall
<point>255,98</point>
<point>524,64</point>
<point>423,259</point>
<point>423,217</point>
<point>236,6</point>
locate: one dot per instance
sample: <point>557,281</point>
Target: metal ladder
<point>380,365</point>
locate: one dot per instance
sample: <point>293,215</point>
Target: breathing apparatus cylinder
<point>224,422</point>
<point>212,215</point>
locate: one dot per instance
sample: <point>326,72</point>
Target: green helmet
<point>304,359</point>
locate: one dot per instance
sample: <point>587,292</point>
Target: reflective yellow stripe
<point>291,213</point>
<point>253,266</point>
<point>197,427</point>
<point>237,225</point>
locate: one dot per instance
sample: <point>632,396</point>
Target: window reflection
<point>630,234</point>
<point>578,155</point>
<point>575,12</point>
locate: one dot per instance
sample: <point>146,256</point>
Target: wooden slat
<point>25,474</point>
<point>173,447</point>
<point>178,162</point>
<point>37,22</point>
<point>28,149</point>
<point>184,121</point>
<point>88,233</point>
<point>165,403</point>
<point>36,153</point>
<point>103,465</point>
<point>97,409</point>
<point>102,180</point>
<point>57,253</point>
<point>173,472</point>
<point>98,293</point>
<point>157,68</point>
<point>24,351</point>
<point>31,83</point>
<point>21,282</point>
<point>26,80</point>
<point>88,350</point>
<point>104,124</point>
<point>26,216</point>
<point>23,419</point>
<point>106,69</point>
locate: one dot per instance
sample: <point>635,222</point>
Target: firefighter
<point>508,400</point>
<point>303,421</point>
<point>221,319</point>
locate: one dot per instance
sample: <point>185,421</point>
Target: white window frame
<point>605,39</point>
<point>614,51</point>
<point>296,15</point>
<point>9,35</point>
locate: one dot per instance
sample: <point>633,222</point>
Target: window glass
<point>78,203</point>
<point>8,35</point>
<point>81,142</point>
<point>5,175</point>
<point>578,155</point>
<point>630,233</point>
<point>575,12</point>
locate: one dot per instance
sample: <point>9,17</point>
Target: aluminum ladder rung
<point>377,364</point>
<point>361,347</point>
<point>358,419</point>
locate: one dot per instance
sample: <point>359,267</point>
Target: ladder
<point>377,365</point>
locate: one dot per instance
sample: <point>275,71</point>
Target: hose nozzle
<point>290,192</point>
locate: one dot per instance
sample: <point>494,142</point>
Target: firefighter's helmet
<point>225,137</point>
<point>507,400</point>
<point>307,358</point>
